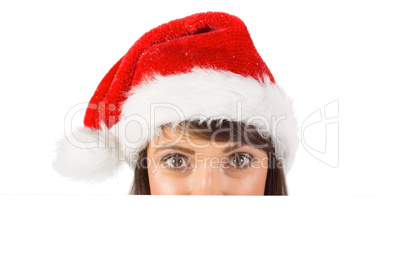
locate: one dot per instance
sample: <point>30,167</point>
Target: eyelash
<point>165,159</point>
<point>170,156</point>
<point>248,156</point>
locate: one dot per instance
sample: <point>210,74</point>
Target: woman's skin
<point>198,167</point>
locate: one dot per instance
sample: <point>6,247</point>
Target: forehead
<point>179,138</point>
<point>196,135</point>
<point>184,137</point>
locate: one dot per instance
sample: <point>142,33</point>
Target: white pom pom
<point>88,155</point>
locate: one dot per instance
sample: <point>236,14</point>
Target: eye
<point>240,160</point>
<point>175,161</point>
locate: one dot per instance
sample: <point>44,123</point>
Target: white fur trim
<point>206,94</point>
<point>88,155</point>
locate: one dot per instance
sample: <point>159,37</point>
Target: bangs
<point>220,131</point>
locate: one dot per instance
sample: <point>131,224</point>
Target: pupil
<point>177,161</point>
<point>238,160</point>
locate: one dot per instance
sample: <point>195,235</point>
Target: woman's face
<point>189,166</point>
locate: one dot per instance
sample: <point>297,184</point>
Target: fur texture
<point>206,94</point>
<point>88,155</point>
<point>203,95</point>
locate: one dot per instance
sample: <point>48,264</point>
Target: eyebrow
<point>174,147</point>
<point>189,151</point>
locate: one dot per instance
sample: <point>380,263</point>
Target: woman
<point>200,79</point>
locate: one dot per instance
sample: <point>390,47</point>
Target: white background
<point>53,54</point>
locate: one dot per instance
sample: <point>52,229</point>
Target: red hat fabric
<point>203,65</point>
<point>204,40</point>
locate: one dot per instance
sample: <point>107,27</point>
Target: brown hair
<point>221,131</point>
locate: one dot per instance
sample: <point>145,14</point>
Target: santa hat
<point>202,67</point>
